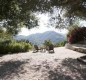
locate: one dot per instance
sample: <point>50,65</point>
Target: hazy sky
<point>26,32</point>
<point>43,21</point>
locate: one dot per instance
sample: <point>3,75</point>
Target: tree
<point>47,42</point>
<point>72,11</point>
<point>4,35</point>
<point>14,13</point>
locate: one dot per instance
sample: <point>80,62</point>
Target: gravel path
<point>61,65</point>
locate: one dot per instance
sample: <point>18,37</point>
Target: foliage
<point>71,28</point>
<point>12,46</point>
<point>47,42</point>
<point>17,13</point>
<point>26,41</point>
<point>60,43</point>
<point>4,35</point>
<point>14,14</point>
<point>76,35</point>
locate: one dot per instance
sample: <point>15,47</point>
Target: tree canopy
<point>15,13</point>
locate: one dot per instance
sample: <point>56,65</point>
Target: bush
<point>77,35</point>
<point>14,47</point>
<point>47,42</point>
<point>60,43</point>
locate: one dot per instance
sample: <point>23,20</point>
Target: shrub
<point>76,35</point>
<point>47,42</point>
<point>14,47</point>
<point>60,43</point>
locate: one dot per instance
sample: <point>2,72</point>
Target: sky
<point>26,32</point>
<point>43,21</point>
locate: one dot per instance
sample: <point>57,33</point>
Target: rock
<point>76,47</point>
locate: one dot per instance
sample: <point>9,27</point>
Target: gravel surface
<point>61,65</point>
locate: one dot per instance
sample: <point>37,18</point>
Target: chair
<point>35,49</point>
<point>51,48</point>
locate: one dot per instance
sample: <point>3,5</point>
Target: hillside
<point>39,38</point>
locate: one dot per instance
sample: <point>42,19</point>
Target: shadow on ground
<point>70,69</point>
<point>67,69</point>
<point>10,68</point>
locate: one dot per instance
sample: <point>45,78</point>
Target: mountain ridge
<point>39,38</point>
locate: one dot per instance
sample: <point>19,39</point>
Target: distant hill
<point>39,38</point>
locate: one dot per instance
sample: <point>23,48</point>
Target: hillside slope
<point>39,38</point>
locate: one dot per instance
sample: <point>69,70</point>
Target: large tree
<point>14,13</point>
<point>72,11</point>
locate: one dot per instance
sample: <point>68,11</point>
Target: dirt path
<point>61,65</point>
